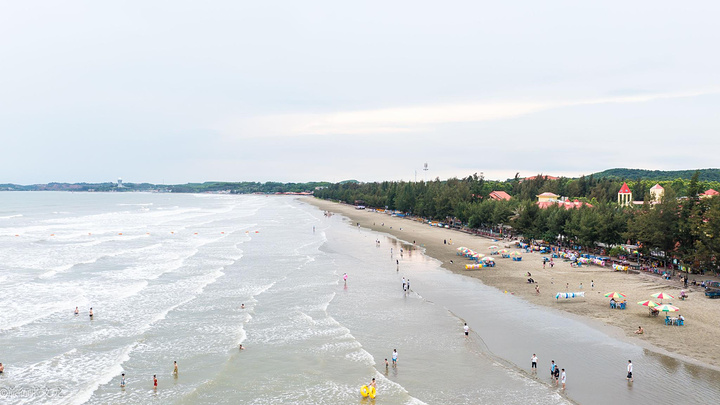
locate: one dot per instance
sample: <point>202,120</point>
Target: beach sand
<point>695,342</point>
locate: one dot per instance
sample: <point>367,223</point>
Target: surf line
<point>506,363</point>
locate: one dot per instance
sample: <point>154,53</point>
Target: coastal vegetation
<point>681,226</point>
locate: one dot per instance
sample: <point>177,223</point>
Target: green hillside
<point>658,175</point>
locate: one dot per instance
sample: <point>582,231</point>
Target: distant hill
<point>658,175</point>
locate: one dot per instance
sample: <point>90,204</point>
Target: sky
<point>190,91</point>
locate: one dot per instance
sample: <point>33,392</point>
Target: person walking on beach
<point>543,264</point>
<point>466,328</point>
<point>154,382</point>
<point>533,362</point>
<point>581,286</point>
<point>629,371</point>
<point>552,263</point>
<point>537,289</point>
<point>592,284</point>
<point>562,379</point>
<point>394,357</point>
<point>175,369</point>
<point>122,381</point>
<point>408,284</point>
<point>404,287</point>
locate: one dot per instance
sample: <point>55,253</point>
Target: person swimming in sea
<point>240,347</point>
<point>77,311</point>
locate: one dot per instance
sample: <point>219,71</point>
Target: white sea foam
<point>11,216</point>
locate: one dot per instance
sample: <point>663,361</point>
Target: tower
<point>625,195</point>
<point>656,192</point>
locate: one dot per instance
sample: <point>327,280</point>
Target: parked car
<point>712,289</point>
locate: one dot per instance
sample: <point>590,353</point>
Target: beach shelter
<point>662,296</point>
<point>615,295</point>
<point>493,247</point>
<point>648,303</point>
<point>516,254</point>
<point>667,308</point>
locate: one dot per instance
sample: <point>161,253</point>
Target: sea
<point>187,278</point>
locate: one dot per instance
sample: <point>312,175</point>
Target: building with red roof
<point>709,193</point>
<point>540,177</point>
<point>500,196</point>
<point>625,195</point>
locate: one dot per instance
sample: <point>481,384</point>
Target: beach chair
<point>668,321</point>
<point>622,305</point>
<point>680,322</point>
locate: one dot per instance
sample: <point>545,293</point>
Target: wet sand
<point>695,342</point>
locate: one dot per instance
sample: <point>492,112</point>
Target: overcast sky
<point>187,91</point>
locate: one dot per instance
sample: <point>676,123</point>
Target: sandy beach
<point>694,342</point>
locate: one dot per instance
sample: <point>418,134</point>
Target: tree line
<point>682,225</point>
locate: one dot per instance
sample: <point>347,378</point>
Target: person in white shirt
<point>562,378</point>
<point>533,361</point>
<point>466,328</point>
<point>629,370</point>
<point>394,357</point>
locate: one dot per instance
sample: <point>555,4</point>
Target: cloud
<point>412,118</point>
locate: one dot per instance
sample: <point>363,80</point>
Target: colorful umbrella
<point>662,296</point>
<point>503,251</point>
<point>648,303</point>
<point>615,295</point>
<point>667,308</point>
<point>488,259</point>
<point>516,254</point>
<point>493,247</point>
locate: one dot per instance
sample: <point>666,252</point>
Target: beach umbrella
<point>503,251</point>
<point>662,296</point>
<point>615,295</point>
<point>667,308</point>
<point>648,303</point>
<point>478,255</point>
<point>488,259</point>
<point>516,254</point>
<point>493,247</point>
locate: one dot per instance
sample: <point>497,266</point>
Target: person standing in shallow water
<point>175,369</point>
<point>154,382</point>
<point>630,371</point>
<point>394,357</point>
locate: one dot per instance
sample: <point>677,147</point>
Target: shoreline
<point>693,343</point>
